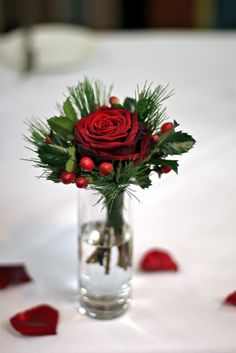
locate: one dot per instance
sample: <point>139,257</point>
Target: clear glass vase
<point>105,256</point>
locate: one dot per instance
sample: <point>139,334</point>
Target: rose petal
<point>13,274</point>
<point>157,260</point>
<point>231,299</point>
<point>113,134</point>
<point>38,321</point>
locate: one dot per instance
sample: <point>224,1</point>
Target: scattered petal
<point>231,299</point>
<point>13,274</point>
<point>38,321</point>
<point>157,260</point>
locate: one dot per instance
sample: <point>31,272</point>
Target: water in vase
<point>105,270</point>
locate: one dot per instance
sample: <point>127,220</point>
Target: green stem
<point>115,214</point>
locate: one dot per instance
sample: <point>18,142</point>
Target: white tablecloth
<point>191,215</point>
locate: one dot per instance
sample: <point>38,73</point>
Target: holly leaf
<point>69,110</point>
<point>176,143</point>
<point>129,104</point>
<point>53,155</point>
<point>166,162</point>
<point>63,127</point>
<point>54,176</point>
<point>52,159</point>
<point>54,150</point>
<point>143,181</point>
<point>57,141</point>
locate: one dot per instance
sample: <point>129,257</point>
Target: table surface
<point>191,215</point>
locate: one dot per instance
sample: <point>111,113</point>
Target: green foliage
<point>87,95</point>
<point>69,110</point>
<point>157,162</point>
<point>52,155</point>
<point>149,105</point>
<point>71,163</point>
<point>176,143</point>
<point>39,130</point>
<point>143,179</point>
<point>56,150</point>
<point>52,160</point>
<point>63,127</point>
<point>54,176</point>
<point>126,174</point>
<point>129,104</point>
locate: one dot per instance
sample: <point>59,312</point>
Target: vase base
<point>103,308</point>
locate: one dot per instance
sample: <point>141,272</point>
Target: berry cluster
<point>86,164</point>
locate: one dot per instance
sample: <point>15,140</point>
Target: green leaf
<point>129,104</point>
<point>53,155</point>
<point>54,176</point>
<point>70,165</point>
<point>143,181</point>
<point>69,110</point>
<point>54,149</point>
<point>63,127</point>
<point>176,143</point>
<point>52,159</point>
<point>72,152</point>
<point>164,136</point>
<point>56,140</point>
<point>170,163</point>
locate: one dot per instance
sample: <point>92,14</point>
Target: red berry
<point>166,127</point>
<point>104,107</point>
<point>48,140</point>
<point>114,100</point>
<point>86,164</point>
<point>105,168</point>
<point>165,169</point>
<point>67,177</point>
<point>81,182</point>
<point>155,137</point>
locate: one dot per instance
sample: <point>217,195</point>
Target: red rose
<point>112,134</point>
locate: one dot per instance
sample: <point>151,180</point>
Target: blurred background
<point>121,14</point>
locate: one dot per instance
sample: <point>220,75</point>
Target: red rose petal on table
<point>157,260</point>
<point>13,274</point>
<point>38,321</point>
<point>231,299</point>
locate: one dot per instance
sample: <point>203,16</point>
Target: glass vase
<point>105,255</point>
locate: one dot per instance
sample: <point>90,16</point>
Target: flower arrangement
<point>100,143</point>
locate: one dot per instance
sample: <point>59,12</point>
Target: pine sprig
<point>117,182</point>
<point>49,157</point>
<point>149,105</point>
<point>88,95</point>
<point>38,129</point>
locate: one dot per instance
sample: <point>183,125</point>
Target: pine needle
<point>149,105</point>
